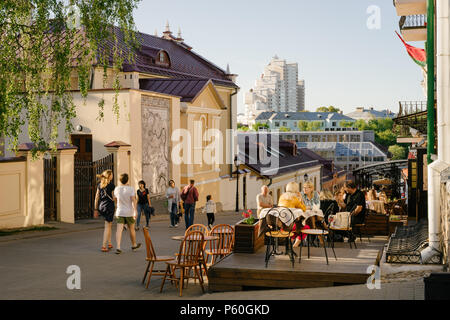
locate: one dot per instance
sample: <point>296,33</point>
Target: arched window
<point>163,59</point>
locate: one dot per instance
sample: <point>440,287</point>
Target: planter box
<point>246,238</point>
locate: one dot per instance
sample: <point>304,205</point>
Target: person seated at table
<point>372,195</point>
<point>263,200</point>
<point>309,196</point>
<point>355,204</point>
<point>383,196</point>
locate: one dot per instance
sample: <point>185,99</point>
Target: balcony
<point>412,114</point>
<point>410,7</point>
<point>414,27</point>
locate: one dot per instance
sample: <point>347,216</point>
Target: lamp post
<point>237,163</point>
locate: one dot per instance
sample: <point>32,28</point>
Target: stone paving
<point>33,266</point>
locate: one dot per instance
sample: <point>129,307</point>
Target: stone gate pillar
<point>65,170</point>
<point>121,152</point>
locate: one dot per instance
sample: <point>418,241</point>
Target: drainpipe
<point>443,129</point>
<point>430,80</point>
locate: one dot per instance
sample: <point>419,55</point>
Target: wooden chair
<point>223,246</point>
<point>203,229</point>
<point>360,227</point>
<point>152,258</point>
<point>198,227</point>
<point>187,259</point>
<point>348,231</point>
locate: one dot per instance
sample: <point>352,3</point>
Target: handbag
<point>340,220</point>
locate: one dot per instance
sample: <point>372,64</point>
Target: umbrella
<point>382,182</point>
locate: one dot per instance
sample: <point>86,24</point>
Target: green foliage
<point>304,125</point>
<point>242,127</point>
<point>347,124</point>
<point>258,125</point>
<point>42,49</point>
<point>327,109</point>
<point>284,129</point>
<point>398,152</point>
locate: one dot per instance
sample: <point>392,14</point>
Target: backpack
<point>184,195</point>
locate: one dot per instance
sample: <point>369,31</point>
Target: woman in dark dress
<point>104,205</point>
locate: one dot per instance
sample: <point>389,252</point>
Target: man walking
<point>189,197</point>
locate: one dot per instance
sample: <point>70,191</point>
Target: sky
<point>344,63</point>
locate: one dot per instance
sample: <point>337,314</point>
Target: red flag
<point>417,54</point>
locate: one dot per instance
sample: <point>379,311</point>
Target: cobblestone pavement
<point>33,266</point>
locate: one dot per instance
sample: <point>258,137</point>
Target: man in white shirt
<point>126,212</point>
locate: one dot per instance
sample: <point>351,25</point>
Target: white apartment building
<point>278,89</point>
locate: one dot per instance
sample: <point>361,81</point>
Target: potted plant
<point>246,231</point>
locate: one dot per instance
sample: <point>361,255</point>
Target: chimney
<point>371,108</point>
<point>360,109</point>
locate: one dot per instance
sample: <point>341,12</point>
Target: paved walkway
<point>33,266</point>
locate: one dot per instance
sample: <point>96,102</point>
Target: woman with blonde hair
<point>291,198</point>
<point>104,204</point>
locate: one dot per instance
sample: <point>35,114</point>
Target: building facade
<point>278,89</point>
<point>168,95</point>
<point>370,114</point>
<point>327,121</point>
<point>347,149</point>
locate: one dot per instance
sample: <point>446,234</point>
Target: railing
<point>411,107</point>
<point>413,21</point>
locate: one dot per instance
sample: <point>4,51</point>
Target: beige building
<point>168,87</point>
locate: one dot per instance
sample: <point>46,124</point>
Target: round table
<point>376,205</point>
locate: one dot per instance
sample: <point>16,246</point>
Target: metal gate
<point>50,208</point>
<point>85,179</point>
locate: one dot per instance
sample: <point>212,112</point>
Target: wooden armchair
<point>223,245</point>
<point>152,258</point>
<point>187,259</point>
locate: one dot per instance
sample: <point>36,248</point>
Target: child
<point>210,209</point>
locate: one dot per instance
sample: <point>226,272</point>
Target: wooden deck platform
<point>241,271</point>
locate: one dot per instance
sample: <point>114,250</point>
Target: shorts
<point>126,220</point>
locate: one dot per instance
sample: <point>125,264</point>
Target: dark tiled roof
<point>307,116</point>
<point>289,160</point>
<point>183,62</point>
<point>187,89</point>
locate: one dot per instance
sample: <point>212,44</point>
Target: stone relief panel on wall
<point>155,143</point>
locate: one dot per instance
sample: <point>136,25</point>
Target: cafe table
<point>377,206</point>
<point>202,260</point>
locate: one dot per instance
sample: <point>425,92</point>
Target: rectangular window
<point>277,124</point>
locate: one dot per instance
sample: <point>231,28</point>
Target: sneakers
<point>176,226</point>
<point>171,226</point>
<point>118,251</point>
<point>137,247</point>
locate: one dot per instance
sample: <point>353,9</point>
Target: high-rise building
<point>278,89</point>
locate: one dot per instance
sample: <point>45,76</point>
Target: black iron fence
<point>85,179</point>
<point>50,189</point>
<point>411,107</point>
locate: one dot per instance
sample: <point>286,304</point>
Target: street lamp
<point>237,163</point>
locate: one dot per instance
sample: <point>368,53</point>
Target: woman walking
<point>144,204</point>
<point>104,205</point>
<point>126,211</point>
<point>173,199</point>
